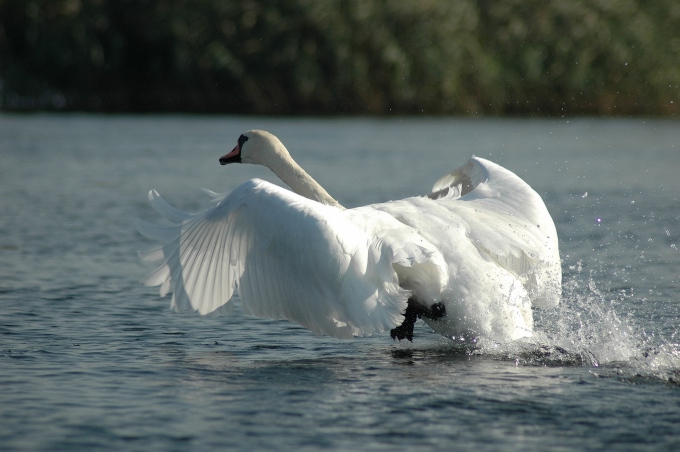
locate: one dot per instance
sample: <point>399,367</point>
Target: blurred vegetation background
<point>493,57</point>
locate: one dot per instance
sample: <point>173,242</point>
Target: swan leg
<point>405,330</point>
<point>414,311</point>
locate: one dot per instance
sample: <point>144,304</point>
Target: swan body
<point>481,246</point>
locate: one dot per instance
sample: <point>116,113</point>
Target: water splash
<point>596,328</point>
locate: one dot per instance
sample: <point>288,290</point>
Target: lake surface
<point>90,359</point>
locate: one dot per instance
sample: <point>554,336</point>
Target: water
<point>92,360</point>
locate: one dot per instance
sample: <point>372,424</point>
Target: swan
<point>470,258</point>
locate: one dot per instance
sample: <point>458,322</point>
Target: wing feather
<point>501,216</point>
<point>508,222</point>
<point>286,256</point>
<point>166,210</point>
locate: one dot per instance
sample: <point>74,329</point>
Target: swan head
<point>255,146</point>
<point>263,148</point>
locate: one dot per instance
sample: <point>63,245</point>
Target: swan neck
<point>298,180</point>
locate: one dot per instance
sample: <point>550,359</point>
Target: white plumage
<point>482,243</point>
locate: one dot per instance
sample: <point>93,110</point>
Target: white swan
<point>470,258</point>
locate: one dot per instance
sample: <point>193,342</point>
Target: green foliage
<point>531,57</point>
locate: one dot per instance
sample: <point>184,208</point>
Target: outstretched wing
<point>508,222</point>
<point>286,256</point>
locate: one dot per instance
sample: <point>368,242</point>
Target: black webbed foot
<point>414,311</point>
<point>405,330</point>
